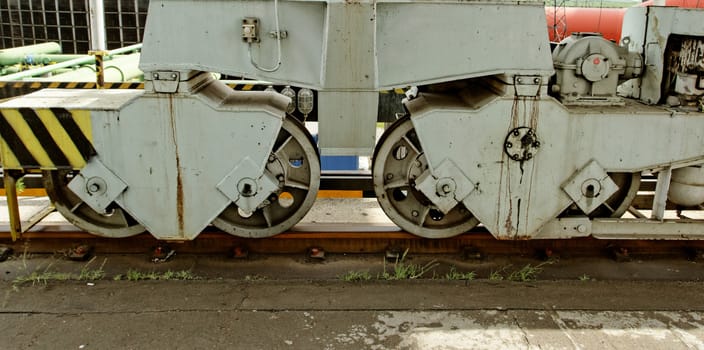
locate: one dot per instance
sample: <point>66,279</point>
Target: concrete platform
<point>232,314</point>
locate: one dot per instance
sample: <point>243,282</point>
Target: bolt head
<point>508,145</point>
<point>415,213</point>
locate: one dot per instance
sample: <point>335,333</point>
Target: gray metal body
<point>349,50</point>
<point>490,137</point>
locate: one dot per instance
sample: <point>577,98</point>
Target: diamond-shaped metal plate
<point>263,185</point>
<point>590,187</point>
<point>427,183</point>
<point>97,186</point>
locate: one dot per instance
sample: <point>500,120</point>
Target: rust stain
<point>179,179</point>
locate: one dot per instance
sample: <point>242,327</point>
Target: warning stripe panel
<point>9,89</point>
<point>45,138</point>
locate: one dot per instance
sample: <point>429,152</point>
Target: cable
<point>278,45</point>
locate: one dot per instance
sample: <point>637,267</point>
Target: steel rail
<point>472,245</point>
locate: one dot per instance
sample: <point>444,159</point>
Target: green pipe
<point>49,58</point>
<point>70,63</point>
<point>16,55</point>
<point>118,69</point>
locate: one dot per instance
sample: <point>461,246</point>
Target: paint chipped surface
<point>492,329</point>
<point>662,330</point>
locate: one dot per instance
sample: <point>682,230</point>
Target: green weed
<point>135,275</point>
<point>461,276</point>
<point>356,276</point>
<point>404,271</point>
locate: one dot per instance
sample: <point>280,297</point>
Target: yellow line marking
<point>89,86</point>
<point>24,132</point>
<point>54,84</point>
<point>125,85</point>
<point>71,85</point>
<point>339,194</point>
<point>29,192</point>
<point>7,158</point>
<point>82,119</point>
<point>399,91</point>
<point>62,138</point>
<point>36,85</point>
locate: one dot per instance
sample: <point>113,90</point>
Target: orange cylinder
<point>567,20</point>
<point>563,21</point>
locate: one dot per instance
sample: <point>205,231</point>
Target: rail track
<point>472,245</point>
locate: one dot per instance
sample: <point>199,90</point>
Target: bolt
<point>530,132</point>
<point>536,144</point>
<point>581,229</point>
<point>516,133</point>
<point>415,213</point>
<point>529,155</point>
<point>280,177</point>
<point>446,188</point>
<point>515,157</point>
<point>520,80</point>
<point>508,145</point>
<point>173,76</point>
<point>389,176</point>
<point>536,80</point>
<point>155,75</point>
<point>93,188</point>
<point>271,158</point>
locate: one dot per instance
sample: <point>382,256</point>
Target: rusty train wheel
<point>115,224</point>
<point>398,160</point>
<point>295,162</point>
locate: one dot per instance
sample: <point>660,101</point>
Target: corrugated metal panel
<point>24,22</point>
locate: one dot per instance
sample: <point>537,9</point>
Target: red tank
<point>566,20</point>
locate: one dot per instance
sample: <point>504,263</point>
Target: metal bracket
<point>590,187</point>
<point>661,190</point>
<point>527,85</point>
<point>565,228</point>
<point>164,81</point>
<point>247,186</point>
<point>13,207</point>
<point>446,187</point>
<point>97,186</point>
<point>250,30</point>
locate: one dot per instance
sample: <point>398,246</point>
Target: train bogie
<point>498,131</point>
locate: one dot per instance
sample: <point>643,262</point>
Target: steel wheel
<point>614,207</point>
<point>398,161</point>
<point>116,224</point>
<point>619,202</point>
<point>295,163</point>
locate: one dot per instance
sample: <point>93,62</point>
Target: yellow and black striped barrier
<point>46,139</point>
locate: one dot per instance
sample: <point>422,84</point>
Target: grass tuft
<point>402,270</point>
<point>356,276</point>
<point>460,276</point>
